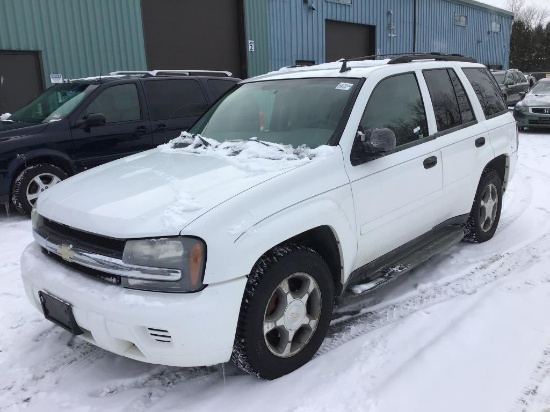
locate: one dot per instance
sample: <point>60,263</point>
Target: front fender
<point>234,251</point>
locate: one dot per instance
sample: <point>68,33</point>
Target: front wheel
<point>485,214</point>
<point>31,182</point>
<point>285,312</point>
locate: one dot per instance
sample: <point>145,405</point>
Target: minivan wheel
<point>285,312</point>
<point>31,182</point>
<point>485,214</point>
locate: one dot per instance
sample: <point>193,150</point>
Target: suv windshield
<point>54,104</point>
<point>293,112</point>
<point>541,88</point>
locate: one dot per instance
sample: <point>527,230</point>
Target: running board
<point>391,266</point>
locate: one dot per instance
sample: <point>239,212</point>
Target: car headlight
<point>186,254</point>
<point>521,108</point>
<point>37,220</point>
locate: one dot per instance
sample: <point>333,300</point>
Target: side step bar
<point>387,268</point>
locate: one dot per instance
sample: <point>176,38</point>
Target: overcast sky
<point>502,3</point>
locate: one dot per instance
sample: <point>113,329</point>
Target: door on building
<point>21,79</point>
<point>348,40</point>
<point>206,34</point>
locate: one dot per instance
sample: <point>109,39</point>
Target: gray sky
<point>502,3</point>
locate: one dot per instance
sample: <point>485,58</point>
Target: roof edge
<point>485,6</point>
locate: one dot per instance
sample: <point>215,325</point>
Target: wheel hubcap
<point>40,183</point>
<point>488,207</point>
<point>292,315</point>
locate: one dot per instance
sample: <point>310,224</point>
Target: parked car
<point>298,190</point>
<point>512,82</point>
<point>81,124</point>
<point>534,110</point>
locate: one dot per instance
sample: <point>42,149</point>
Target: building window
<point>495,27</point>
<point>461,20</point>
<point>347,2</point>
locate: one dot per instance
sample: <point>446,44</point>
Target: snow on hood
<point>5,116</point>
<point>249,155</point>
<point>159,192</point>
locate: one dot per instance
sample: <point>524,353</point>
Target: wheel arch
<point>54,158</point>
<point>500,164</point>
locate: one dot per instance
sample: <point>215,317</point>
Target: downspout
<point>414,25</point>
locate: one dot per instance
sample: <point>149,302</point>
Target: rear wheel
<point>485,214</point>
<point>285,312</point>
<point>31,182</point>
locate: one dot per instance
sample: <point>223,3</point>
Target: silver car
<point>534,109</point>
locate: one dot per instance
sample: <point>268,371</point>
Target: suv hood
<point>156,193</point>
<point>537,100</point>
<point>20,129</point>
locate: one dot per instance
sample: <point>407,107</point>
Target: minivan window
<point>294,112</point>
<point>449,110</point>
<point>118,103</point>
<point>175,99</point>
<point>54,104</point>
<point>219,87</point>
<point>396,104</point>
<point>487,91</point>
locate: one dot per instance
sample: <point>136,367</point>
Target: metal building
<point>79,38</point>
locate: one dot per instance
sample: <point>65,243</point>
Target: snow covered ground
<point>467,331</point>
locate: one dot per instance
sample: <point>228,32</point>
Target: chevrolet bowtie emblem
<point>66,252</point>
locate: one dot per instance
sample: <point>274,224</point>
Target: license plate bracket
<point>59,312</point>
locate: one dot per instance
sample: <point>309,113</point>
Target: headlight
<point>37,220</point>
<point>185,254</point>
<point>521,108</point>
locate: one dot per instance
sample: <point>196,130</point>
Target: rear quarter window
<point>487,91</point>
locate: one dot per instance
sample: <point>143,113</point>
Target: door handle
<point>430,162</point>
<point>141,130</point>
<point>161,126</point>
<point>480,141</point>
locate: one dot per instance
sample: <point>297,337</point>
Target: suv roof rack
<point>147,73</point>
<point>410,57</point>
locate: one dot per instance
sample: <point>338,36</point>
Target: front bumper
<point>534,120</point>
<point>198,329</point>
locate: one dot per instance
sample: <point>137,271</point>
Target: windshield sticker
<point>416,129</point>
<point>344,86</point>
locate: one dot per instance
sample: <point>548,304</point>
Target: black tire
<point>254,352</point>
<point>26,184</point>
<point>482,222</point>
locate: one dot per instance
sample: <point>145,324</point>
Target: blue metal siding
<point>438,32</point>
<point>298,33</point>
<point>76,38</point>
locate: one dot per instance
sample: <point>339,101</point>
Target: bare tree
<point>530,14</point>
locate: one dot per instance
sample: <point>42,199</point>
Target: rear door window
<point>451,105</point>
<point>487,91</point>
<point>175,98</point>
<point>219,87</point>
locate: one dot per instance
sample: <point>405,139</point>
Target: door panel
<point>347,40</point>
<point>127,130</point>
<point>20,79</point>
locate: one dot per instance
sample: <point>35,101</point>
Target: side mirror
<point>372,144</point>
<point>522,95</point>
<point>92,120</point>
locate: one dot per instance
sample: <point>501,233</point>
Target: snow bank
<point>250,155</point>
<point>5,116</point>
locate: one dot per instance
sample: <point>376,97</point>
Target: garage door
<point>21,79</point>
<point>202,34</point>
<point>348,40</point>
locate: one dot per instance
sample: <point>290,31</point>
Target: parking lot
<point>466,328</point>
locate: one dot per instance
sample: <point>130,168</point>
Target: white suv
<point>297,190</point>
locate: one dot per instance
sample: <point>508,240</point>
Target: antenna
<point>344,67</point>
